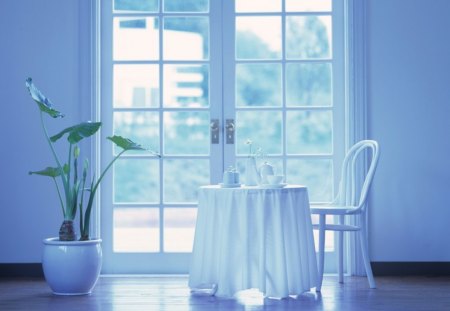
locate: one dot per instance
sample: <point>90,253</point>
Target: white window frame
<point>355,94</point>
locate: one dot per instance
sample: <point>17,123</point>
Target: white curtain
<point>356,108</point>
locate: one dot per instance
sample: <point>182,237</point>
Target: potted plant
<point>74,268</point>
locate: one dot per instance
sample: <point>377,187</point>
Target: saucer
<point>222,185</point>
<point>273,186</point>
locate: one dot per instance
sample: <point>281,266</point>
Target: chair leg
<point>365,255</point>
<point>341,252</point>
<point>341,256</point>
<point>321,251</point>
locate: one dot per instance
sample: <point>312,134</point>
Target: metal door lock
<point>229,130</point>
<point>215,131</point>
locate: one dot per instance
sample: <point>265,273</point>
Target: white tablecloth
<point>254,238</point>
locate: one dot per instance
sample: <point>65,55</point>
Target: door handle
<point>229,130</point>
<point>215,131</point>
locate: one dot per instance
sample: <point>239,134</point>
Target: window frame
<point>355,89</point>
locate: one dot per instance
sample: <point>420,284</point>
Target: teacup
<point>236,177</point>
<point>275,179</point>
<point>228,178</point>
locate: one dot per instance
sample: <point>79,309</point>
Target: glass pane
<point>316,174</point>
<point>136,86</point>
<point>136,6</point>
<point>186,133</point>
<point>308,37</point>
<point>309,132</point>
<point>186,38</point>
<point>186,85</point>
<point>136,38</point>
<point>258,85</point>
<point>308,84</point>
<point>182,177</point>
<point>179,229</point>
<point>308,5</point>
<point>136,230</point>
<point>258,37</point>
<point>186,5</point>
<point>140,127</point>
<point>329,235</point>
<point>258,5</point>
<point>136,181</point>
<point>263,128</point>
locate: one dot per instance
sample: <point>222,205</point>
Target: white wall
<point>409,114</point>
<point>38,39</point>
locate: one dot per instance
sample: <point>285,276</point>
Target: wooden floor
<point>171,293</point>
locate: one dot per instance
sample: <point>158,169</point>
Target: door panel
<point>169,68</point>
<point>160,89</point>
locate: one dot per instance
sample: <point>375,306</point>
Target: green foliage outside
<point>257,86</point>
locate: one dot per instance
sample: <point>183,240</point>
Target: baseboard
<point>29,270</point>
<point>411,268</point>
<point>34,270</point>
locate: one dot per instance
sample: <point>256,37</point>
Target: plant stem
<point>81,218</point>
<point>76,185</point>
<point>82,199</point>
<point>68,162</point>
<point>51,145</point>
<point>85,233</point>
<point>63,177</point>
<point>60,198</point>
<point>106,169</point>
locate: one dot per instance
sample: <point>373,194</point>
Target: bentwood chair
<point>351,200</point>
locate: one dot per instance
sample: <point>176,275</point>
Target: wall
<point>409,111</point>
<point>409,107</point>
<point>43,40</point>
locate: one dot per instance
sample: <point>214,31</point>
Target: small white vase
<point>251,172</point>
<point>72,267</point>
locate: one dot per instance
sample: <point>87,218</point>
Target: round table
<point>254,237</point>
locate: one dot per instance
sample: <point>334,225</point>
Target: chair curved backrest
<point>351,168</point>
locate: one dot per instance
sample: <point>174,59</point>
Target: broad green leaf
<point>43,102</point>
<point>78,132</point>
<point>48,171</point>
<point>125,143</point>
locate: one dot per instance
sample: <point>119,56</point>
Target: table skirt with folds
<point>254,238</point>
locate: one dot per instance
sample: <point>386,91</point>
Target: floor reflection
<point>171,293</point>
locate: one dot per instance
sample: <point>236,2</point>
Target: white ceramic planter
<point>71,268</point>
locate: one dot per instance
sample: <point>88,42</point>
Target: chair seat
<point>332,209</point>
<point>338,227</point>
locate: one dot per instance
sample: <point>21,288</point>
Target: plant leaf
<point>125,143</point>
<point>43,102</point>
<point>78,132</point>
<point>66,168</point>
<point>48,171</point>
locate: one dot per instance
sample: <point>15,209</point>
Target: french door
<point>196,81</point>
